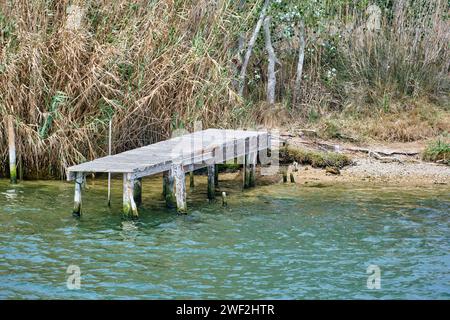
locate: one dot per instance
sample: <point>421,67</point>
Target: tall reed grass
<point>68,67</point>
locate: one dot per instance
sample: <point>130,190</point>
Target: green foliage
<point>58,99</point>
<point>438,150</point>
<point>314,158</point>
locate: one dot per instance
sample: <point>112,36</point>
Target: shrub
<point>314,158</point>
<point>438,150</point>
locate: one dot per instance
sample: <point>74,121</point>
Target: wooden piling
<point>168,188</point>
<point>12,151</point>
<point>138,191</point>
<point>252,169</point>
<point>216,175</point>
<point>180,187</point>
<point>245,165</point>
<point>250,159</point>
<point>224,199</point>
<point>191,180</point>
<point>129,205</point>
<point>211,184</point>
<point>284,172</point>
<point>79,180</point>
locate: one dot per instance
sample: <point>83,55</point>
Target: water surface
<point>272,242</point>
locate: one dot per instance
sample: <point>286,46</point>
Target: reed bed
<point>68,67</point>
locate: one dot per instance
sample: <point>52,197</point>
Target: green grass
<point>438,150</point>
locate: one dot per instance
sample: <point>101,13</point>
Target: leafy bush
<point>438,150</point>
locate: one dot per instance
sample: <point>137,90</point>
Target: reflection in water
<point>280,241</point>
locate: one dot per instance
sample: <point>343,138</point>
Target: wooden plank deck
<point>175,157</point>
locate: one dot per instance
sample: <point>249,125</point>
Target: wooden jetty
<point>174,158</point>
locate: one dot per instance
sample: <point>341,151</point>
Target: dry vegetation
<point>67,67</point>
<point>153,65</point>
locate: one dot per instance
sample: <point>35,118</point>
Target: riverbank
<point>378,163</point>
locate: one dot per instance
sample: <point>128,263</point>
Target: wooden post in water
<point>284,172</point>
<point>191,180</point>
<point>129,205</point>
<point>252,169</point>
<point>138,191</point>
<point>246,167</point>
<point>79,180</point>
<point>216,175</point>
<point>211,180</point>
<point>168,187</point>
<point>224,199</point>
<point>180,187</point>
<point>12,151</point>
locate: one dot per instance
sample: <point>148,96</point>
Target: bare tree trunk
<point>301,58</point>
<point>239,56</point>
<point>251,44</point>
<point>272,80</point>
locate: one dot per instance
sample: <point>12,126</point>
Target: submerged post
<point>12,151</point>
<point>168,187</point>
<point>129,205</point>
<point>224,199</point>
<point>216,175</point>
<point>250,158</point>
<point>79,180</point>
<point>137,191</point>
<point>211,182</point>
<point>180,187</point>
<point>191,179</point>
<point>252,169</point>
<point>284,173</point>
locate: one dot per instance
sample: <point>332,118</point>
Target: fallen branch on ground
<point>376,155</point>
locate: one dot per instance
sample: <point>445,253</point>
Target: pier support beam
<point>249,163</point>
<point>168,188</point>
<point>211,182</point>
<point>137,191</point>
<point>180,187</point>
<point>191,179</point>
<point>216,176</point>
<point>79,181</point>
<point>249,170</point>
<point>252,158</point>
<point>12,151</point>
<point>129,205</point>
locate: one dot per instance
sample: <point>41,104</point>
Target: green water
<point>280,241</point>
